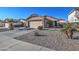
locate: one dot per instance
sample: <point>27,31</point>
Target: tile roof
<point>37,17</point>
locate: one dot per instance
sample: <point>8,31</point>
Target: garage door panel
<point>35,24</point>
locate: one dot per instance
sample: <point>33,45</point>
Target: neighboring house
<point>15,24</point>
<point>1,24</point>
<point>35,20</point>
<point>62,21</point>
<point>74,15</point>
<point>22,21</point>
<point>18,24</point>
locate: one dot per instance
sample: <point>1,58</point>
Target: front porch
<point>51,24</point>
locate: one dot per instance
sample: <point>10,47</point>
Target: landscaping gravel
<point>53,39</point>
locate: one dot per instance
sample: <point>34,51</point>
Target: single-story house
<point>46,21</point>
<point>62,21</point>
<point>15,24</point>
<point>1,24</point>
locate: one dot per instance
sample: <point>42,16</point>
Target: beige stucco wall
<point>35,24</point>
<point>62,21</point>
<point>1,24</point>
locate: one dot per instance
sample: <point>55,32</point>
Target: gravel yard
<point>53,39</point>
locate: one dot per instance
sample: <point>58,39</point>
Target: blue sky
<point>24,12</point>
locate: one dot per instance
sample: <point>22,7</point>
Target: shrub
<point>36,33</point>
<point>11,27</point>
<point>40,27</point>
<point>68,30</point>
<point>10,21</point>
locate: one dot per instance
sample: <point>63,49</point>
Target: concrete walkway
<point>7,43</point>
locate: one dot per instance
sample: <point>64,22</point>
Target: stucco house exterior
<point>73,16</point>
<point>1,24</point>
<point>62,21</point>
<point>6,24</point>
<point>35,20</point>
<point>15,23</point>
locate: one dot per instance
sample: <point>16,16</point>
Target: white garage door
<point>35,24</point>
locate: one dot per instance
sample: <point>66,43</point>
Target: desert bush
<point>10,21</point>
<point>36,33</point>
<point>69,30</point>
<point>40,28</point>
<point>11,27</point>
